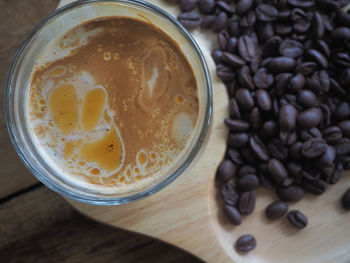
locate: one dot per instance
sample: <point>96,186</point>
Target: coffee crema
<point>118,105</point>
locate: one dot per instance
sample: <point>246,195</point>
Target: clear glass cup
<point>18,81</point>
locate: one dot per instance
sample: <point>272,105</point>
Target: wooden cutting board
<point>186,212</point>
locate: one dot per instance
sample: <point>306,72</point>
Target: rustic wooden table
<point>36,224</point>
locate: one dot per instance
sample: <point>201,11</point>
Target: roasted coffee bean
<point>255,118</point>
<point>343,146</point>
<point>297,83</point>
<point>220,22</point>
<point>313,147</point>
<point>243,6</point>
<point>301,21</point>
<point>342,112</point>
<point>276,210</point>
<point>234,156</point>
<point>283,14</point>
<point>187,5</point>
<point>189,20</point>
<point>345,161</point>
<point>237,140</point>
<point>245,170</point>
<point>294,169</point>
<point>307,98</point>
<point>248,20</point>
<point>341,59</point>
<point>295,150</point>
<point>229,194</point>
<point>319,82</point>
<point>297,219</point>
<point>345,200</point>
<point>258,148</point>
<point>316,187</point>
<point>226,171</point>
<point>266,180</point>
<point>327,158</point>
<point>271,47</point>
<point>206,6</point>
<point>311,133</point>
<point>246,48</point>
<point>288,137</point>
<point>317,28</point>
<point>248,182</point>
<point>236,125</point>
<point>232,214</point>
<point>244,99</point>
<point>232,45</point>
<point>306,68</point>
<point>341,34</point>
<point>277,149</point>
<point>281,83</point>
<point>301,3</point>
<point>234,109</point>
<point>292,193</point>
<point>247,155</point>
<point>342,18</point>
<point>255,64</point>
<point>232,60</point>
<point>277,170</point>
<point>323,47</point>
<point>328,23</point>
<point>332,134</point>
<point>345,127</point>
<point>281,64</point>
<point>309,118</point>
<point>326,116</point>
<point>225,7</point>
<point>270,129</point>
<point>263,100</point>
<point>225,73</point>
<point>245,78</point>
<point>246,203</point>
<point>263,79</point>
<point>287,117</point>
<point>318,57</point>
<point>222,40</point>
<point>283,29</point>
<point>208,21</point>
<point>291,48</point>
<point>245,243</point>
<point>217,55</point>
<point>266,13</point>
<point>337,173</point>
<point>264,31</point>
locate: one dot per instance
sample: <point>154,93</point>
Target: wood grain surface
<point>36,224</point>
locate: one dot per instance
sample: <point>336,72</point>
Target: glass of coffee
<point>108,102</point>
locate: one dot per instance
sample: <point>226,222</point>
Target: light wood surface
<point>186,213</point>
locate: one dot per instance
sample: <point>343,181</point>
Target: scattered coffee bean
<point>248,182</point>
<point>245,243</point>
<point>189,20</point>
<point>313,147</point>
<point>292,193</point>
<point>246,203</point>
<point>226,171</point>
<point>232,214</point>
<point>276,210</point>
<point>297,219</point>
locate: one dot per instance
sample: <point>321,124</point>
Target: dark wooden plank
<point>40,226</point>
<point>17,18</point>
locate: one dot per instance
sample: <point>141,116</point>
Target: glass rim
<point>194,149</point>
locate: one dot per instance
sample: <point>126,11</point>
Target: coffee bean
<point>316,187</point>
<point>226,171</point>
<point>223,39</point>
<point>297,82</point>
<point>326,116</point>
<point>281,64</point>
<point>297,219</point>
<point>244,99</point>
<point>220,22</point>
<point>263,100</point>
<point>237,140</point>
<point>206,6</point>
<point>294,169</point>
<point>234,156</point>
<point>277,149</point>
<point>263,79</point>
<point>187,5</point>
<point>283,29</point>
<point>292,193</point>
<point>271,47</point>
<point>301,3</point>
<point>341,34</point>
<point>277,171</point>
<point>307,98</point>
<point>255,64</point>
<point>225,73</point>
<point>232,60</point>
<point>342,111</point>
<point>232,45</point>
<point>270,129</point>
<point>246,48</point>
<point>229,194</point>
<point>295,150</point>
<point>216,55</point>
<point>291,48</point>
<point>245,243</point>
<point>343,146</point>
<point>337,173</point>
<point>266,13</point>
<point>208,21</point>
<point>317,27</point>
<point>258,148</point>
<point>245,78</point>
<point>281,83</point>
<point>234,109</point>
<point>189,20</point>
<point>332,134</point>
<point>246,170</point>
<point>309,118</point>
<point>243,6</point>
<point>342,18</point>
<point>301,21</point>
<point>276,210</point>
<point>313,147</point>
<point>317,56</point>
<point>345,200</point>
<point>246,203</point>
<point>345,127</point>
<point>311,133</point>
<point>248,182</point>
<point>306,68</point>
<point>288,137</point>
<point>341,59</point>
<point>287,117</point>
<point>319,82</point>
<point>225,7</point>
<point>232,214</point>
<point>236,125</point>
<point>265,31</point>
<point>248,20</point>
<point>323,47</point>
<point>255,118</point>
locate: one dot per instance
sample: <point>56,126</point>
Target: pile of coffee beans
<point>286,66</point>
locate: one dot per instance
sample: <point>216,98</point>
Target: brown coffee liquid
<point>120,107</point>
